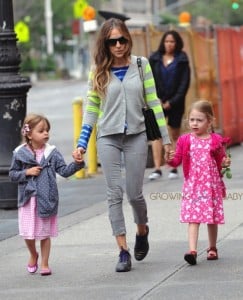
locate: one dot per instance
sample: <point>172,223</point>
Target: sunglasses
<point>113,42</point>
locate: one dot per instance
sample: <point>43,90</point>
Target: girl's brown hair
<point>205,107</point>
<point>30,122</point>
<point>102,56</point>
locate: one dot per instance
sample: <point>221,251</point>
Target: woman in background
<point>171,72</point>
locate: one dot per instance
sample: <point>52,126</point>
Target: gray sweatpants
<point>134,148</point>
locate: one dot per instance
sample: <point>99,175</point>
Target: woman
<point>171,72</point>
<point>114,101</point>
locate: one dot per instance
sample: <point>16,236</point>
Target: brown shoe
<point>212,253</point>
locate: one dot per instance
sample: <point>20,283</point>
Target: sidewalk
<point>84,255</point>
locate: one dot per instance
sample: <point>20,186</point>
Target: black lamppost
<point>13,91</point>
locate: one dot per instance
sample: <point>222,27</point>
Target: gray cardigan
<point>124,102</point>
<point>44,186</point>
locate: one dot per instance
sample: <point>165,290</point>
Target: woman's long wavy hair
<point>102,56</point>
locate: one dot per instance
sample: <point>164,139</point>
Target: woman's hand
<point>166,105</point>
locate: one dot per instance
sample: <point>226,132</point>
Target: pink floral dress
<point>30,225</point>
<point>202,196</point>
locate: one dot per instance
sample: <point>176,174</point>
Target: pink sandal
<point>45,272</point>
<point>33,268</point>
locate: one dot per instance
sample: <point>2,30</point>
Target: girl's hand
<point>171,154</point>
<point>226,162</point>
<point>167,148</point>
<point>78,155</point>
<point>34,171</point>
<point>226,167</point>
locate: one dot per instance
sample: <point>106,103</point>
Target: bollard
<point>92,153</point>
<point>77,122</point>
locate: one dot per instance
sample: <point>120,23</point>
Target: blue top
<point>168,74</point>
<point>120,72</point>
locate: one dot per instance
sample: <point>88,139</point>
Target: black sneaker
<point>141,245</point>
<point>124,264</point>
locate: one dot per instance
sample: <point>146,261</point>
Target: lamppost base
<point>8,192</point>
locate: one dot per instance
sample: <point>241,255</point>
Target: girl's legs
<point>212,238</point>
<point>45,252</point>
<point>33,253</point>
<point>193,231</point>
<point>191,256</point>
<point>212,235</point>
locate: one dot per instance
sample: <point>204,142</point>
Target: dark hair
<point>102,56</point>
<point>179,44</point>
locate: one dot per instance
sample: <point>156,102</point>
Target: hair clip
<point>25,129</point>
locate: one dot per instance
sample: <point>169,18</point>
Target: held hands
<point>34,171</point>
<point>169,153</point>
<point>78,155</point>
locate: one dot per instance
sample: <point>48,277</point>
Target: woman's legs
<point>174,133</point>
<point>157,149</point>
<point>135,154</point>
<point>121,241</point>
<point>109,151</point>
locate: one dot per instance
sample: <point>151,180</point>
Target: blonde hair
<point>205,107</point>
<point>30,122</point>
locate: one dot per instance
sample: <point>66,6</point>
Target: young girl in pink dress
<point>202,154</point>
<point>34,166</point>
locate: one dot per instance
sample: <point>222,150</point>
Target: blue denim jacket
<point>44,186</point>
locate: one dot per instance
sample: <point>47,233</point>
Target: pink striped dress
<point>31,226</point>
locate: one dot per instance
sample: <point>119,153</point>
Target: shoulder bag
<point>152,128</point>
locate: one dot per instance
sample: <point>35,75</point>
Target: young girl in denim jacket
<point>34,167</point>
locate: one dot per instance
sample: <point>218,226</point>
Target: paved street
<point>84,255</point>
